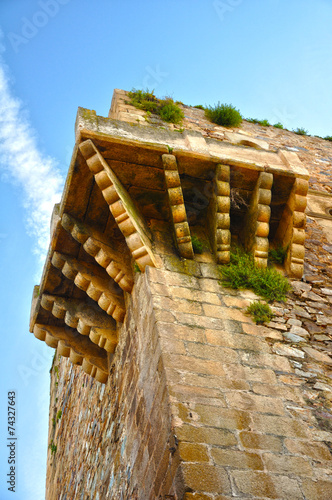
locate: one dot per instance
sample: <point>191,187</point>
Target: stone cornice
<point>130,187</point>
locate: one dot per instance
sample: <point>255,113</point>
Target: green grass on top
<point>243,273</point>
<point>301,131</point>
<point>224,114</point>
<point>166,108</point>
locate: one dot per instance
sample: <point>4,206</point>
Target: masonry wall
<point>201,403</point>
<point>113,441</point>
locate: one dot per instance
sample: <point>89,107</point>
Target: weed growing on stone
<point>166,108</point>
<point>143,99</point>
<point>52,447</point>
<point>260,312</point>
<point>278,125</point>
<point>136,268</point>
<point>278,254</point>
<point>301,131</point>
<point>328,138</point>
<point>224,114</point>
<point>243,273</point>
<point>263,123</point>
<point>199,106</point>
<point>170,112</point>
<point>197,244</point>
<point>58,415</point>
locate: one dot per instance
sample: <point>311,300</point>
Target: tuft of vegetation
<point>301,131</point>
<point>58,415</point>
<point>136,268</point>
<point>328,138</point>
<point>197,244</point>
<point>278,254</point>
<point>224,114</point>
<point>260,312</point>
<point>252,120</point>
<point>166,108</point>
<point>278,125</point>
<point>170,112</point>
<point>199,106</point>
<point>263,123</point>
<point>243,273</point>
<point>143,99</point>
<point>170,150</point>
<point>52,447</point>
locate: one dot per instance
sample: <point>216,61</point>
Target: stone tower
<point>171,391</point>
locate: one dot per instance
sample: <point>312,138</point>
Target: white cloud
<point>23,163</point>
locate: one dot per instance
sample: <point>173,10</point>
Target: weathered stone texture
<point>197,402</point>
<point>187,408</point>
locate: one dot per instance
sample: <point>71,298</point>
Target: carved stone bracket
<point>178,210</point>
<point>257,220</point>
<point>131,223</point>
<point>95,244</point>
<point>218,216</point>
<point>291,229</point>
<point>78,348</point>
<point>87,318</point>
<point>94,282</point>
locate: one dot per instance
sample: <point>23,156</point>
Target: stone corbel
<point>257,220</point>
<point>80,350</point>
<point>177,207</point>
<point>291,230</point>
<point>94,281</point>
<point>117,265</point>
<point>87,318</point>
<point>218,216</point>
<point>131,223</point>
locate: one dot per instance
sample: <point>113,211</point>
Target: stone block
<point>213,353</point>
<point>314,490</point>
<point>194,365</point>
<point>272,361</point>
<point>279,426</point>
<point>225,418</point>
<point>316,451</point>
<point>261,331</point>
<point>236,459</point>
<point>286,464</point>
<point>262,485</point>
<point>191,452</point>
<point>252,440</point>
<point>254,403</point>
<point>206,478</point>
<point>205,435</point>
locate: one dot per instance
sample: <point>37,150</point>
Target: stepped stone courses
<point>179,394</point>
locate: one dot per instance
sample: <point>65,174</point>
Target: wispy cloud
<point>24,164</point>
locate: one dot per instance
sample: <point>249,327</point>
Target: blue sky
<point>271,59</point>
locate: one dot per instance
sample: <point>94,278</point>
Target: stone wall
<point>201,403</point>
<point>198,402</point>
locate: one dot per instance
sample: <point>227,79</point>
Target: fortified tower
<point>171,390</point>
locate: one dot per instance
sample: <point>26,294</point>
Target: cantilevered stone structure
<point>124,295</point>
